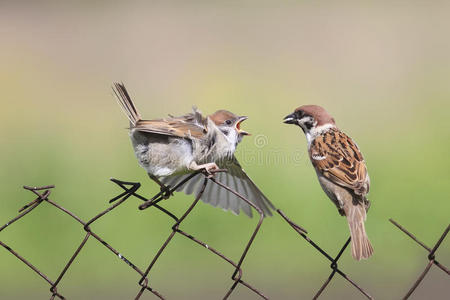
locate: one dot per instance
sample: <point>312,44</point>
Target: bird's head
<point>309,118</point>
<point>229,124</point>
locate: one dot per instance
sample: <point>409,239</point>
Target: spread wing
<point>338,158</point>
<point>217,196</point>
<point>192,125</point>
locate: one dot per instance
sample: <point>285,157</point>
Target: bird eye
<point>228,122</point>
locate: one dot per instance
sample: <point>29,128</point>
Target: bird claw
<point>209,169</point>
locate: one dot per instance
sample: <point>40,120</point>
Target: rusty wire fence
<point>143,285</point>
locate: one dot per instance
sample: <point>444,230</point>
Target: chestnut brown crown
<point>221,116</point>
<point>313,115</point>
<point>318,113</point>
<point>225,118</point>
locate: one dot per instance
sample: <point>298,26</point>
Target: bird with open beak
<point>172,148</point>
<point>340,168</point>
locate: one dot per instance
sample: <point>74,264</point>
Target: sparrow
<point>172,148</point>
<point>341,170</point>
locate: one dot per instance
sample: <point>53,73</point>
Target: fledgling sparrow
<point>341,171</point>
<point>172,148</point>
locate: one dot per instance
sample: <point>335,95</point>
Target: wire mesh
<point>130,189</point>
<point>431,256</point>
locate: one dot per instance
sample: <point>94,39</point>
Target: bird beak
<point>290,119</point>
<point>238,126</point>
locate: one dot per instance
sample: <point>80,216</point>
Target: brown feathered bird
<point>172,148</point>
<point>341,171</point>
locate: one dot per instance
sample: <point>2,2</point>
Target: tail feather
<point>124,100</point>
<point>361,247</point>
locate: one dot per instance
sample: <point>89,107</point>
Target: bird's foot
<point>209,169</point>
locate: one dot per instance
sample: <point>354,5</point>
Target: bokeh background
<point>381,69</point>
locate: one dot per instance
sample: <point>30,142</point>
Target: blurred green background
<point>381,69</point>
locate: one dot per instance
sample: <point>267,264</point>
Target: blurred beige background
<point>381,69</point>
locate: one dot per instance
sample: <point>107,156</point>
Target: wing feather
<point>338,158</point>
<point>217,196</point>
<point>188,126</point>
<point>243,191</point>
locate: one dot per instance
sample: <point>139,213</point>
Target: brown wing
<point>337,157</point>
<point>188,126</point>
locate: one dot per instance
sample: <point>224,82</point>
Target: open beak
<point>290,119</point>
<point>238,126</point>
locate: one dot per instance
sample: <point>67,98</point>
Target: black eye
<point>228,122</point>
<point>308,125</point>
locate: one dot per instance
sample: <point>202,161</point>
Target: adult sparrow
<point>172,148</point>
<point>340,168</point>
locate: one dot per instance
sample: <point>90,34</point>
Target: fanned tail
<point>361,247</point>
<point>124,100</point>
